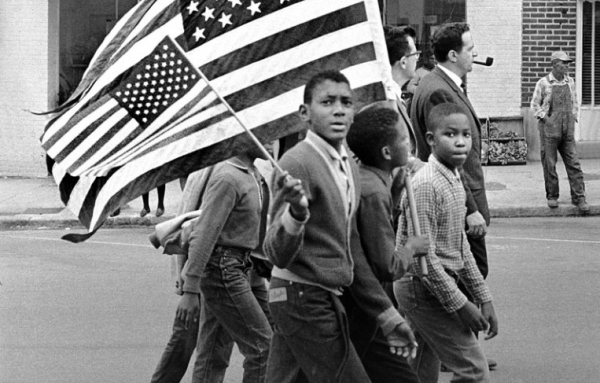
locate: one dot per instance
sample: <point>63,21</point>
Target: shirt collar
<point>552,79</point>
<point>453,76</point>
<point>396,89</point>
<point>451,175</point>
<point>386,177</point>
<point>325,147</point>
<point>235,162</point>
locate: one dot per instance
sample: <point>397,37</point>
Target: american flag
<point>142,116</point>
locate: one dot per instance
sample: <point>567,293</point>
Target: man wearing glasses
<point>403,55</point>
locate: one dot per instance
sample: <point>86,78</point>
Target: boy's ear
<point>385,153</point>
<point>304,112</point>
<point>429,136</point>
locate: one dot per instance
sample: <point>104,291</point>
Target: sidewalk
<point>513,191</point>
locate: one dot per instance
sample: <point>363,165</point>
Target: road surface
<point>102,311</point>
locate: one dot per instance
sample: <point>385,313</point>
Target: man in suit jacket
<point>454,50</point>
<point>403,56</point>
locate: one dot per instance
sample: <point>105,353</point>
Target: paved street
<point>101,311</point>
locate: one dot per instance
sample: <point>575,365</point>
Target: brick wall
<point>547,26</point>
<point>496,28</point>
<point>24,75</point>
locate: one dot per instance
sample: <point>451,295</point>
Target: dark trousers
<point>311,341</point>
<point>226,289</point>
<point>372,346</point>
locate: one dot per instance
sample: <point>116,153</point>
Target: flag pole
<point>415,218</point>
<point>304,201</point>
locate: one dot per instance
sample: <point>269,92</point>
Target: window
<point>590,58</point>
<point>425,16</point>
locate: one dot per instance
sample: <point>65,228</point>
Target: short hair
<point>447,38</point>
<point>372,129</point>
<point>425,60</point>
<point>439,112</point>
<point>319,78</point>
<point>396,41</point>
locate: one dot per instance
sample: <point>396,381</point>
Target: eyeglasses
<point>417,53</point>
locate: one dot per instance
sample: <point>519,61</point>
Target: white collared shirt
<point>453,76</point>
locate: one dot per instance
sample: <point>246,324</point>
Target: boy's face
<point>330,112</point>
<point>451,141</point>
<point>400,148</point>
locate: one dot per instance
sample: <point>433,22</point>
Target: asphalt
<point>512,190</point>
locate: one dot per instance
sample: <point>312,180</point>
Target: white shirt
<point>453,76</point>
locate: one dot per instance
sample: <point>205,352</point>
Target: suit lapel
<point>408,123</point>
<point>458,92</point>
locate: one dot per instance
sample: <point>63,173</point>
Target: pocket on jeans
<point>405,293</point>
<point>285,313</point>
<point>231,267</point>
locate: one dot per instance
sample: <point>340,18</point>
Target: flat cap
<point>562,56</point>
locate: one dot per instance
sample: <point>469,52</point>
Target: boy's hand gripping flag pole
<point>304,201</point>
<point>415,218</point>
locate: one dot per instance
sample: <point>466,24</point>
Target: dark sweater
<point>319,254</point>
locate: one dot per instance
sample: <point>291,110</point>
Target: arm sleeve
<point>472,278</point>
<point>374,222</point>
<point>218,202</point>
<point>367,290</point>
<point>285,235</point>
<point>575,100</point>
<point>537,100</point>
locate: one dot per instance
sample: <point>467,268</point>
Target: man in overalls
<point>555,106</point>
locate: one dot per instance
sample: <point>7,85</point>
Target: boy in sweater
<point>444,320</point>
<point>310,249</point>
<point>380,140</point>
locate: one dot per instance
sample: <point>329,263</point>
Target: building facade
<point>47,44</point>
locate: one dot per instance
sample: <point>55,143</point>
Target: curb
<point>55,221</point>
<point>542,211</point>
<point>27,222</point>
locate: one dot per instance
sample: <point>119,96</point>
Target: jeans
<point>227,292</point>
<point>177,354</point>
<point>441,336</point>
<point>311,341</point>
<point>213,351</point>
<point>214,348</point>
<point>565,145</point>
<point>215,344</point>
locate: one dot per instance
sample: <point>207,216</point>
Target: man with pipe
<point>454,51</point>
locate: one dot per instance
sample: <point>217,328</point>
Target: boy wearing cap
<point>555,106</point>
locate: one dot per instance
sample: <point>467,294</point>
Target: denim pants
<point>226,290</point>
<point>441,336</point>
<point>214,342</point>
<point>311,341</point>
<point>213,350</point>
<point>177,354</point>
<point>565,145</point>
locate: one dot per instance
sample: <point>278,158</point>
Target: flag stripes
<point>115,192</point>
<point>286,40</point>
<point>259,67</point>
